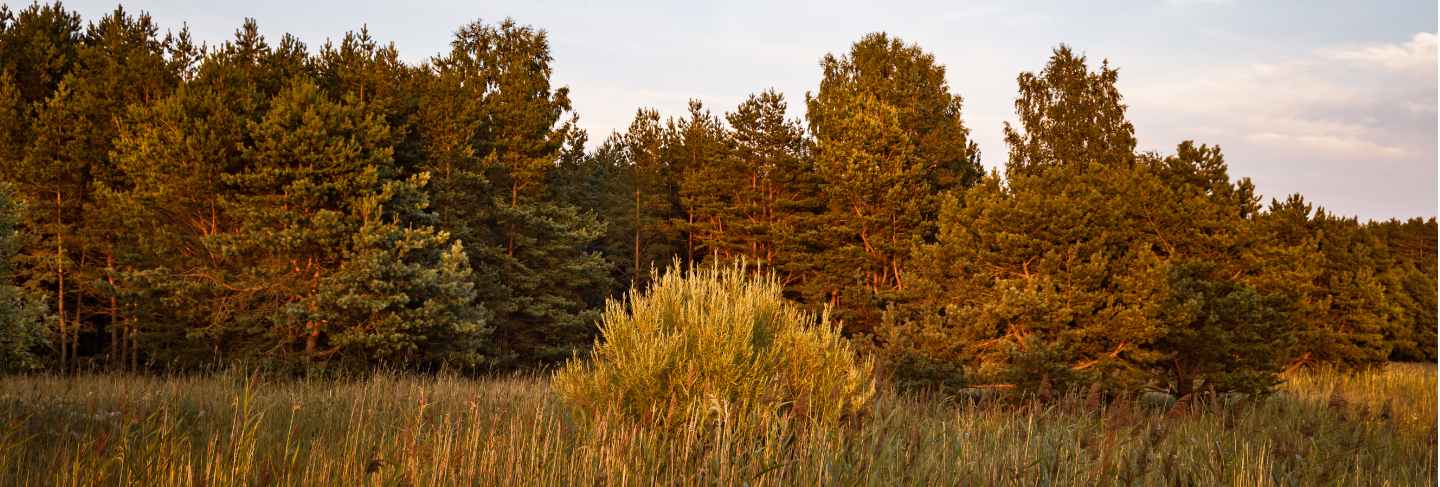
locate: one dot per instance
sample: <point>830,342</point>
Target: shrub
<point>717,341</point>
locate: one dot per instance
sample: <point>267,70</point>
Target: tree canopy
<point>168,206</point>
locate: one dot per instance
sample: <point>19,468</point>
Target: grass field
<point>1375,428</point>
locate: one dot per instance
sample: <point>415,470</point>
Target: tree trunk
<point>75,328</point>
<point>60,285</point>
<point>1182,383</point>
<point>510,230</point>
<point>312,327</point>
<point>635,272</point>
<point>117,343</point>
<point>133,349</point>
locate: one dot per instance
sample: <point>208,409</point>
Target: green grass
<point>1375,428</point>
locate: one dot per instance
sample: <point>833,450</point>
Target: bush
<point>717,342</point>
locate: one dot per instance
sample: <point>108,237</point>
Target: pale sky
<point>1332,99</point>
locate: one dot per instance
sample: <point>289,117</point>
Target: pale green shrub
<point>717,343</point>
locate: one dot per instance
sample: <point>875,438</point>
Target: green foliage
<point>38,47</point>
<point>491,130</point>
<point>24,338</point>
<point>176,287</point>
<point>312,164</point>
<point>1068,115</point>
<point>404,294</point>
<point>1081,271</point>
<point>1329,268</point>
<point>255,201</point>
<point>1407,269</point>
<point>1218,334</point>
<point>716,342</point>
<point>889,142</point>
<point>779,211</point>
<point>554,283</point>
<point>909,81</point>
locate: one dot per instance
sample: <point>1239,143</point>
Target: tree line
<point>177,206</point>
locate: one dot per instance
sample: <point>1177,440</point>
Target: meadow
<point>1319,428</point>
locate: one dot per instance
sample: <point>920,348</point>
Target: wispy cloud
<point>1358,101</point>
<point>1364,114</point>
<point>1191,3</point>
<point>1416,55</point>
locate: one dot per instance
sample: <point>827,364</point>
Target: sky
<point>1335,100</point>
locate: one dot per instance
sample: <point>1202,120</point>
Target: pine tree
<point>493,131</point>
<point>1406,257</point>
<point>177,284</point>
<point>24,338</point>
<point>179,288</point>
<point>911,82</point>
<point>403,294</point>
<point>319,174</point>
<point>1328,268</point>
<point>14,125</point>
<point>1090,266</point>
<point>54,177</point>
<point>877,189</point>
<point>123,63</point>
<point>651,182</point>
<point>38,47</point>
<point>781,193</point>
<point>888,141</point>
<point>360,67</point>
<point>1220,334</point>
<point>709,183</point>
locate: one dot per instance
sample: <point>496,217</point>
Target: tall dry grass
<point>1375,428</point>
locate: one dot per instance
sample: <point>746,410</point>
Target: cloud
<point>1192,3</point>
<point>1340,123</point>
<point>1330,143</point>
<point>1414,56</point>
<point>1353,101</point>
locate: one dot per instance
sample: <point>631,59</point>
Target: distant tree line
<point>176,206</point>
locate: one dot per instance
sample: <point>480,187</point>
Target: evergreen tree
<point>651,182</point>
<point>1357,314</point>
<point>24,339</point>
<point>910,81</point>
<point>14,124</point>
<point>1330,268</point>
<point>168,205</point>
<point>319,175</point>
<point>709,184</point>
<point>54,178</point>
<point>781,194</point>
<point>404,293</point>
<point>1220,334</point>
<point>888,141</point>
<point>877,190</point>
<point>360,67</point>
<point>1114,268</point>
<point>1407,260</point>
<point>38,46</point>
<point>123,63</point>
<point>493,131</point>
<point>179,287</point>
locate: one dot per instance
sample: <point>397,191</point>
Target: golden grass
<point>712,342</point>
<point>1374,428</point>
